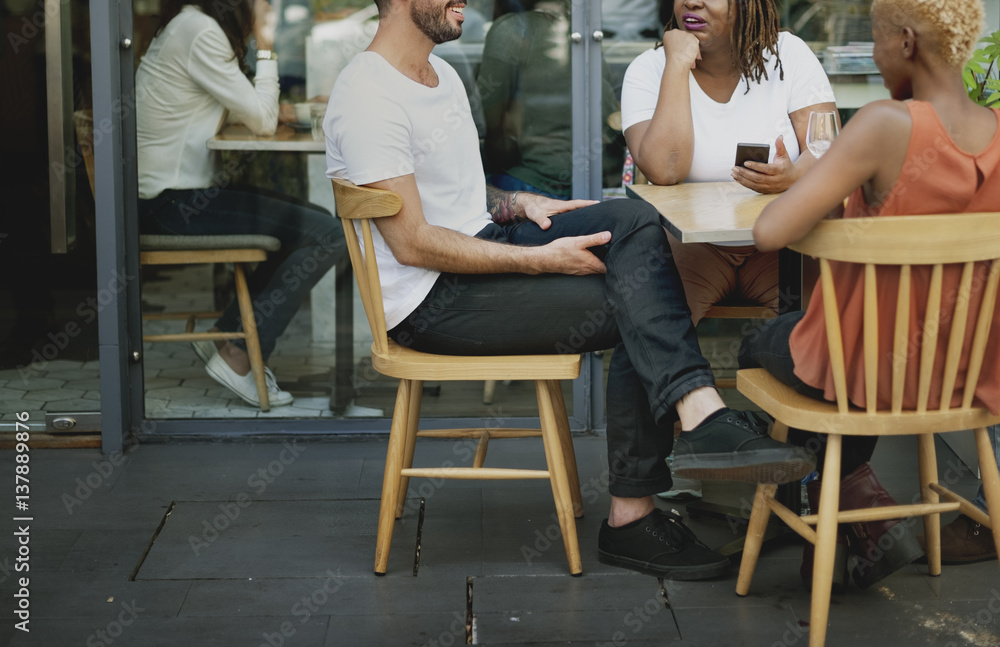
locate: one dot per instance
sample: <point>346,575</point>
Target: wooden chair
<point>902,241</point>
<point>197,250</point>
<point>412,368</point>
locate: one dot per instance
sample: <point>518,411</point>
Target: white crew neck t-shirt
<point>756,117</point>
<point>381,124</point>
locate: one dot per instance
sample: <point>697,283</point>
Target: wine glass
<point>821,132</point>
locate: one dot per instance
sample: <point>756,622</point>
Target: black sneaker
<point>661,545</point>
<point>734,446</point>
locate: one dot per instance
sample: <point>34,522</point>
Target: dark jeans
<point>638,308</point>
<point>312,241</point>
<point>767,347</point>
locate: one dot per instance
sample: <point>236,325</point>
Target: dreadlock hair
<point>754,27</point>
<point>234,16</point>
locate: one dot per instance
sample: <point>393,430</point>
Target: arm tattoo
<point>500,204</point>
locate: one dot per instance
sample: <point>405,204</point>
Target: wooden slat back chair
<point>412,368</point>
<point>903,241</point>
<point>197,250</point>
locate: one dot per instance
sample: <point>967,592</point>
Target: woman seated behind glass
<point>192,76</point>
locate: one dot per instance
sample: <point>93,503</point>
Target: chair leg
<point>566,441</point>
<point>412,424</point>
<point>489,388</point>
<point>826,543</point>
<point>927,468</point>
<point>759,516</point>
<point>558,477</point>
<point>779,431</point>
<point>252,340</point>
<point>991,481</point>
<point>390,479</point>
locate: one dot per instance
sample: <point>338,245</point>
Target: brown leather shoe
<point>880,547</point>
<point>964,541</point>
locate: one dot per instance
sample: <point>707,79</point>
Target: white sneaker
<point>244,386</point>
<point>204,349</point>
<point>682,490</point>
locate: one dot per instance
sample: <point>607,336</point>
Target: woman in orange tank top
<point>939,153</point>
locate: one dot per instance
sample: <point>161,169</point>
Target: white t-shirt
<point>755,117</point>
<point>381,124</point>
<point>185,83</point>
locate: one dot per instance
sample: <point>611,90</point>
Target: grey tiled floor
<point>247,544</point>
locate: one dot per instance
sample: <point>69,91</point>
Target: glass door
<point>50,295</point>
<point>525,68</point>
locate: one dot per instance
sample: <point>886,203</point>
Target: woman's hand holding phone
<point>762,177</point>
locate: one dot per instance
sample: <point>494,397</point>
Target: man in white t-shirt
<point>468,269</point>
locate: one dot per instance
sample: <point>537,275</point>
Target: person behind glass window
<point>194,74</point>
<point>525,89</point>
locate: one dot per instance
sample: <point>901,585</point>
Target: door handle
<point>59,101</point>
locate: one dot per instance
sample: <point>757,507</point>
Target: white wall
<point>992,15</point>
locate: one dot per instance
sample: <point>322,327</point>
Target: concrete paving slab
<point>243,538</point>
<point>611,608</point>
<point>161,632</point>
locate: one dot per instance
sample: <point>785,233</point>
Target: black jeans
<point>767,348</point>
<point>638,308</point>
<point>312,241</point>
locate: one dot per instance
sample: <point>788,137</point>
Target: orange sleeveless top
<point>937,177</point>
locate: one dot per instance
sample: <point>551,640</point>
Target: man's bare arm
<point>416,243</point>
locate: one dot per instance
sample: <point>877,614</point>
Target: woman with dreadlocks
<point>723,75</point>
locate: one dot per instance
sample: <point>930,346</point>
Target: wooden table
<point>706,212</point>
<point>721,212</point>
<point>237,137</point>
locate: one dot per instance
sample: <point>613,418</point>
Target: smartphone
<point>752,153</point>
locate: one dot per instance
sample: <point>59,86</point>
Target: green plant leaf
<point>985,62</point>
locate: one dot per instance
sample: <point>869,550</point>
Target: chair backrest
<point>83,120</point>
<point>953,249</point>
<point>358,203</point>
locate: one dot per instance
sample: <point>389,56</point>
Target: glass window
<point>49,299</point>
<point>319,354</point>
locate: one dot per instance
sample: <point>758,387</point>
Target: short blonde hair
<point>956,25</point>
